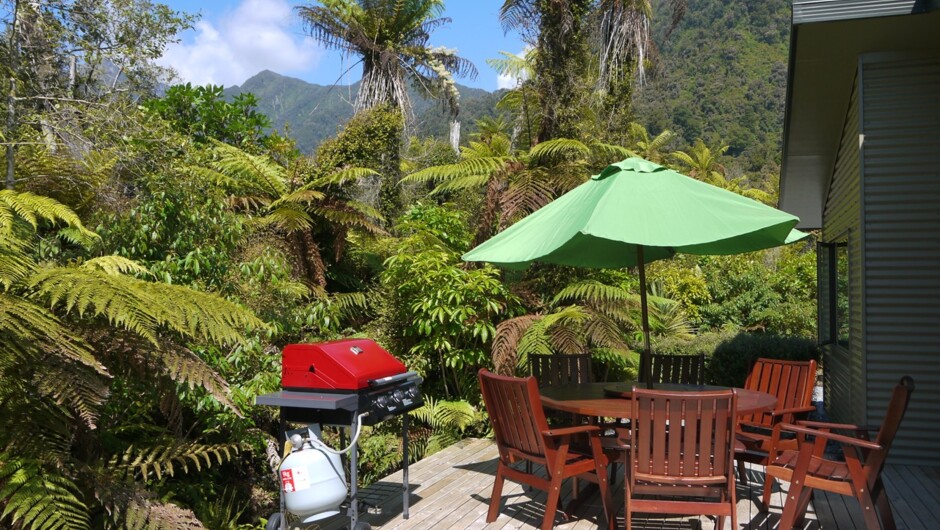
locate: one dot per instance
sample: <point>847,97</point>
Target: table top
<point>611,400</point>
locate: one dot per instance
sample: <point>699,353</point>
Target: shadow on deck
<point>451,489</point>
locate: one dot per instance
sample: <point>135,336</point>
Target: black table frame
<point>332,409</point>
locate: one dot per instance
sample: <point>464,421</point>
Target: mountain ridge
<point>313,113</point>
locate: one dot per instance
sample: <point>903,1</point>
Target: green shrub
<point>732,358</point>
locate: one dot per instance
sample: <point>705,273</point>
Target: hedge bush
<point>732,358</point>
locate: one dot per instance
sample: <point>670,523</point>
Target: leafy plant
<point>73,337</point>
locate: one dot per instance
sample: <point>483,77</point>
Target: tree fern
<point>559,149</point>
<point>37,499</point>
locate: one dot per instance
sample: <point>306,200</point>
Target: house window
<point>841,298</point>
<point>835,255</point>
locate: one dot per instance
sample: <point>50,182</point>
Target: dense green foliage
<point>721,77</point>
<point>131,351</point>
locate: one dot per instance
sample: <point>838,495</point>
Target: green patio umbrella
<point>635,212</point>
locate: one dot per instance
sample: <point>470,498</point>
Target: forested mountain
<point>721,76</point>
<point>315,112</point>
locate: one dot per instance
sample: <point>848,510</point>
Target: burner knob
<point>381,401</point>
<point>398,395</point>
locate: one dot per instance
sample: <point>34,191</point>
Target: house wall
<point>845,397</point>
<point>900,115</point>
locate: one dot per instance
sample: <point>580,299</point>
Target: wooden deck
<point>451,489</point>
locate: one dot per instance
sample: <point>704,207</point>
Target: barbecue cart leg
<point>404,465</point>
<point>353,477</point>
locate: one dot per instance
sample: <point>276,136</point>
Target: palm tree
<point>701,163</point>
<point>647,147</point>
<point>704,164</point>
<point>522,101</point>
<point>391,38</point>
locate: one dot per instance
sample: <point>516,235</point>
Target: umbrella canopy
<point>635,212</point>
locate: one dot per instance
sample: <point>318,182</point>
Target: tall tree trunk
<point>11,99</point>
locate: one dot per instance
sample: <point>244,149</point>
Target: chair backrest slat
<point>515,411</point>
<point>683,369</point>
<point>561,369</point>
<point>678,435</point>
<point>791,382</point>
<point>897,407</point>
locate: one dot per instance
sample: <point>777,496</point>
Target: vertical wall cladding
<point>844,366</point>
<point>901,154</point>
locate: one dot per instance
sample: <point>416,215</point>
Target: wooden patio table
<point>612,400</point>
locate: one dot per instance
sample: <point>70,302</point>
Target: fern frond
<point>251,171</point>
<point>37,498</point>
<point>352,174</point>
<point>81,390</point>
<point>559,149</point>
<point>184,366</point>
<point>527,193</point>
<point>14,266</point>
<point>506,341</point>
<point>461,183</point>
<point>167,459</point>
<point>465,168</point>
<point>289,217</point>
<point>304,195</point>
<point>117,265</point>
<point>592,292</point>
<point>35,208</point>
<point>612,152</point>
<point>535,341</point>
<point>141,307</point>
<point>31,331</point>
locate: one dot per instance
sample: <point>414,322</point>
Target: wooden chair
<point>523,435</point>
<point>682,446</point>
<point>559,369</point>
<point>859,475</point>
<point>683,369</point>
<point>792,382</point>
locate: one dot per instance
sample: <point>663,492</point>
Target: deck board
<point>451,489</point>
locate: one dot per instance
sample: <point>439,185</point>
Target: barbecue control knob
<point>381,401</point>
<point>398,395</point>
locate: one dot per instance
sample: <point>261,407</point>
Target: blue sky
<point>236,39</point>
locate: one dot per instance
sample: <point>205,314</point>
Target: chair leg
<point>797,498</point>
<point>604,489</point>
<point>495,498</point>
<point>742,473</point>
<point>551,503</point>
<point>768,491</point>
<point>868,510</point>
<point>884,508</point>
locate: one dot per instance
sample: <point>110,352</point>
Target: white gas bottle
<point>312,479</point>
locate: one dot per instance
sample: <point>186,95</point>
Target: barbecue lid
<point>348,364</point>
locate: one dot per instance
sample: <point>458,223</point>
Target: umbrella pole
<point>646,373</point>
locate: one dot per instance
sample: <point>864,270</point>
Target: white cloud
<point>257,35</point>
<point>505,81</point>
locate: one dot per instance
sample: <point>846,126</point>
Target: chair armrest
<point>568,431</point>
<point>838,426</point>
<point>827,425</point>
<point>840,438</point>
<point>792,410</point>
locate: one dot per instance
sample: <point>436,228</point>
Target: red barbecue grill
<point>342,382</point>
